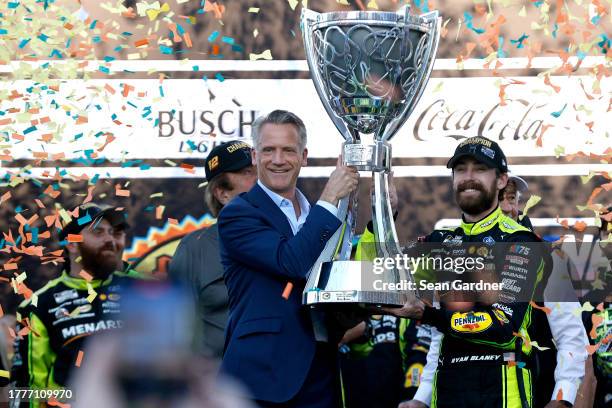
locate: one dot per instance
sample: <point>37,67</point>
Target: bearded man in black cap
<point>196,262</point>
<point>484,355</point>
<point>84,299</point>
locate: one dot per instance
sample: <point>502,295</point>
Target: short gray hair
<point>278,117</point>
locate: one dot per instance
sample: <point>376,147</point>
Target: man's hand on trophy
<point>412,309</point>
<point>342,182</point>
<point>412,404</point>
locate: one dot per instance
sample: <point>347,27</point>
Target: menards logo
<point>470,322</point>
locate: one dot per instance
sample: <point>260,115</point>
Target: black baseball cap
<point>229,156</point>
<point>91,213</point>
<point>483,150</point>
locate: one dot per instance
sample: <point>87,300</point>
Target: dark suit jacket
<point>197,265</point>
<point>269,343</point>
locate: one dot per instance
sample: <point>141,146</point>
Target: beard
<point>476,204</point>
<point>100,265</point>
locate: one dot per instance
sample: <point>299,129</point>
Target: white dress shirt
<point>286,206</point>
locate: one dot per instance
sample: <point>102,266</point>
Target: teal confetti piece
<point>24,42</point>
<point>213,36</point>
<point>126,33</point>
<point>108,58</point>
<point>468,22</point>
<point>93,24</point>
<point>34,239</point>
<point>165,50</point>
<point>96,39</point>
<point>84,219</point>
<point>104,69</point>
<point>195,68</point>
<point>77,137</point>
<point>219,77</point>
<point>3,31</point>
<point>192,145</point>
<point>29,130</point>
<point>227,40</point>
<point>94,179</point>
<point>13,4</point>
<point>595,19</point>
<point>557,114</point>
<point>180,29</point>
<point>132,105</point>
<point>500,51</point>
<point>43,37</point>
<point>145,166</point>
<point>554,31</point>
<point>56,53</point>
<point>520,41</point>
<point>161,91</point>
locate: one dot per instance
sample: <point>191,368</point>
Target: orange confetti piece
<point>141,42</point>
<point>126,89</point>
<point>79,358</point>
<point>159,210</point>
<point>109,89</point>
<point>10,266</point>
<point>85,276</point>
<point>287,290</point>
<point>5,197</point>
<point>580,226</point>
<point>547,82</point>
<point>120,192</point>
<point>6,121</point>
<point>1,311</point>
<point>81,119</point>
<point>559,396</point>
<point>188,41</point>
<point>75,238</point>
<point>542,308</point>
<point>173,221</point>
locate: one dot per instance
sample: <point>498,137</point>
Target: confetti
<point>74,238</point>
<point>79,358</point>
<point>287,290</point>
<point>266,55</point>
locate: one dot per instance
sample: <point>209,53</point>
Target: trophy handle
<point>433,24</point>
<point>385,235</point>
<point>308,19</point>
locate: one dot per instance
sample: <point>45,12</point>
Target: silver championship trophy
<point>370,69</point>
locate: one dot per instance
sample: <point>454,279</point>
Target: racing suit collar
<point>488,222</point>
<point>80,283</point>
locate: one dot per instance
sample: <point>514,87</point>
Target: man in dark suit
<point>270,238</point>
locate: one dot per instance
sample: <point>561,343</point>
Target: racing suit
<point>53,324</point>
<point>485,352</point>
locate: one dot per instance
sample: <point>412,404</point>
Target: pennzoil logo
<point>213,163</point>
<point>470,322</point>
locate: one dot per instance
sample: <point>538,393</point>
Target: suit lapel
<point>258,198</point>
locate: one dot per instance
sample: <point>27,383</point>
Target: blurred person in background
<point>196,262</point>
<point>563,325</point>
<point>54,322</point>
<point>509,198</point>
<point>149,362</point>
<point>598,320</point>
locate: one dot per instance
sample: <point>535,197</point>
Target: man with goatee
<point>83,300</point>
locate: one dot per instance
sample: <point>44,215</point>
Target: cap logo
<point>237,146</point>
<point>213,163</point>
<point>488,152</point>
<point>476,140</point>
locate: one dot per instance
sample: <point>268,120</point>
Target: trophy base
<point>354,282</point>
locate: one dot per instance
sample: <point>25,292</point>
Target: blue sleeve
<point>250,239</point>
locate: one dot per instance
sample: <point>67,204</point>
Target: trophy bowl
<point>369,69</point>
